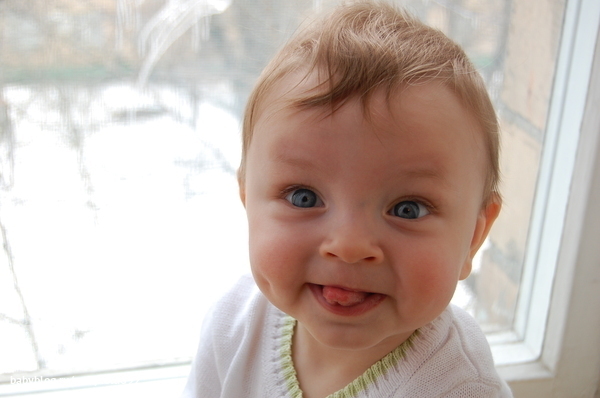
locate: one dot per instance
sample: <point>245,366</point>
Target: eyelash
<point>286,191</point>
<point>303,198</point>
<point>419,201</point>
<point>431,208</point>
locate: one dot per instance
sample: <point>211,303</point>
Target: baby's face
<point>360,228</point>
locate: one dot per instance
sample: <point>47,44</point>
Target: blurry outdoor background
<point>120,220</point>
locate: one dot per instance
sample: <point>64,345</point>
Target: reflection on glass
<point>119,141</point>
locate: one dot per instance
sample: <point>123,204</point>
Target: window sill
<point>149,383</point>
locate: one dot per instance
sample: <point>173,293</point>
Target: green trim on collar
<point>358,385</point>
<point>289,372</point>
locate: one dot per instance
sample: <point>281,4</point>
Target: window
<point>119,213</point>
<point>557,159</point>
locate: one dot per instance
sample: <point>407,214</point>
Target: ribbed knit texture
<point>361,383</point>
<point>245,351</point>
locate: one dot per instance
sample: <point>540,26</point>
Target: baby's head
<point>366,46</point>
<point>369,176</point>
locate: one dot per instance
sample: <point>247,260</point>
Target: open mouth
<point>345,301</point>
<point>344,297</point>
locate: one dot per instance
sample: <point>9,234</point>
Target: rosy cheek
<point>431,277</point>
<point>271,254</point>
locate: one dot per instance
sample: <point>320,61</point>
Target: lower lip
<point>371,301</point>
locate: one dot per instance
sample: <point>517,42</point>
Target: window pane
<point>521,86</point>
<point>119,141</point>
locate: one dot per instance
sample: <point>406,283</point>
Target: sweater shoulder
<point>481,378</point>
<point>232,316</point>
<point>237,345</point>
<point>451,358</point>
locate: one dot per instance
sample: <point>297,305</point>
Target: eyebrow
<point>295,161</point>
<point>426,172</point>
<point>430,173</point>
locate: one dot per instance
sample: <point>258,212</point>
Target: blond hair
<point>365,45</point>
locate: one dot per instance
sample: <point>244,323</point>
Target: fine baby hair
<point>365,45</point>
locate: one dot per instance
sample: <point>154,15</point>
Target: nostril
<point>352,259</point>
<point>351,250</point>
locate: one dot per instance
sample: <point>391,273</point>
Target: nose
<point>352,240</point>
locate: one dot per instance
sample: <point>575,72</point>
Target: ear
<point>485,220</point>
<point>242,186</point>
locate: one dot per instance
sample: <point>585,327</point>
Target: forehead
<point>419,129</point>
<point>301,89</point>
<point>407,105</point>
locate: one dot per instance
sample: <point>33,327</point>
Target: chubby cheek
<point>429,279</point>
<point>438,283</point>
<point>276,258</point>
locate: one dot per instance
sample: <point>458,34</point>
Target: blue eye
<point>409,210</point>
<point>303,198</point>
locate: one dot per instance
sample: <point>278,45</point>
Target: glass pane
<point>119,207</point>
<point>119,141</point>
<point>519,72</point>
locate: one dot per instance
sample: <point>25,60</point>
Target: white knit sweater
<point>245,351</point>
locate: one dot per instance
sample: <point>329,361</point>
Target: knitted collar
<point>359,384</point>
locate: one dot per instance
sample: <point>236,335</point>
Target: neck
<point>322,370</point>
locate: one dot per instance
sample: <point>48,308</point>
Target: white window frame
<point>554,349</point>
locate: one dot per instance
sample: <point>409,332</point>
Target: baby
<point>370,179</point>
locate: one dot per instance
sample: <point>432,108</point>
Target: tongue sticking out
<point>343,297</point>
